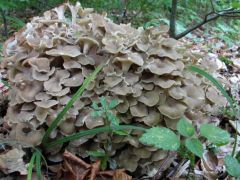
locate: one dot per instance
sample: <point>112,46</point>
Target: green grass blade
<point>92,132</point>
<point>38,165</point>
<point>215,82</point>
<point>31,165</point>
<point>43,158</point>
<point>70,103</point>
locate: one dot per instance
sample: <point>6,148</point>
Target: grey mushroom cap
<point>71,51</point>
<point>172,108</point>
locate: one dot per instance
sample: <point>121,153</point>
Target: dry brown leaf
<point>121,175</point>
<point>94,171</point>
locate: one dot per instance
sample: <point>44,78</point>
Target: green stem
<point>30,166</point>
<point>92,132</point>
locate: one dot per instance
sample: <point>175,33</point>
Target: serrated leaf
<point>113,104</point>
<point>214,134</point>
<point>232,166</point>
<point>103,102</point>
<point>194,146</point>
<point>160,137</point>
<point>185,128</point>
<point>96,153</point>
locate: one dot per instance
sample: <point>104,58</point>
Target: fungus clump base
<point>48,60</point>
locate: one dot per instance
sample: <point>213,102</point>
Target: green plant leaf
<point>113,104</point>
<point>232,166</point>
<point>185,128</point>
<point>96,153</point>
<point>31,165</point>
<point>194,146</point>
<point>160,137</point>
<point>56,121</point>
<point>214,134</point>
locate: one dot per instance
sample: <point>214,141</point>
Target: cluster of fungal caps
<point>144,70</point>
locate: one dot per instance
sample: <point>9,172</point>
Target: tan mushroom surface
<point>144,70</point>
<point>70,51</point>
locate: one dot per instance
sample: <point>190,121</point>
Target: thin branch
<point>213,15</point>
<point>209,17</point>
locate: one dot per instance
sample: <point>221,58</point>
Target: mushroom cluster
<point>48,60</point>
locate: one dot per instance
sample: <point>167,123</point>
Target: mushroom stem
<point>86,47</point>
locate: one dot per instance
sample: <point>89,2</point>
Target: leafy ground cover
<point>221,50</point>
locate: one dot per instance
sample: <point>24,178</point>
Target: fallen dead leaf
<point>74,168</point>
<point>94,170</point>
<point>209,164</point>
<point>121,175</point>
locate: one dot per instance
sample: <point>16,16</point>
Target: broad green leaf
<point>194,146</point>
<point>232,166</point>
<point>113,104</point>
<point>160,137</point>
<point>185,128</point>
<point>96,153</point>
<point>214,134</point>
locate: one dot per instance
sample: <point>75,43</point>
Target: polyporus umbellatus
<point>48,60</point>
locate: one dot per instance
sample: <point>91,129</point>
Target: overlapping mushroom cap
<point>48,60</point>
